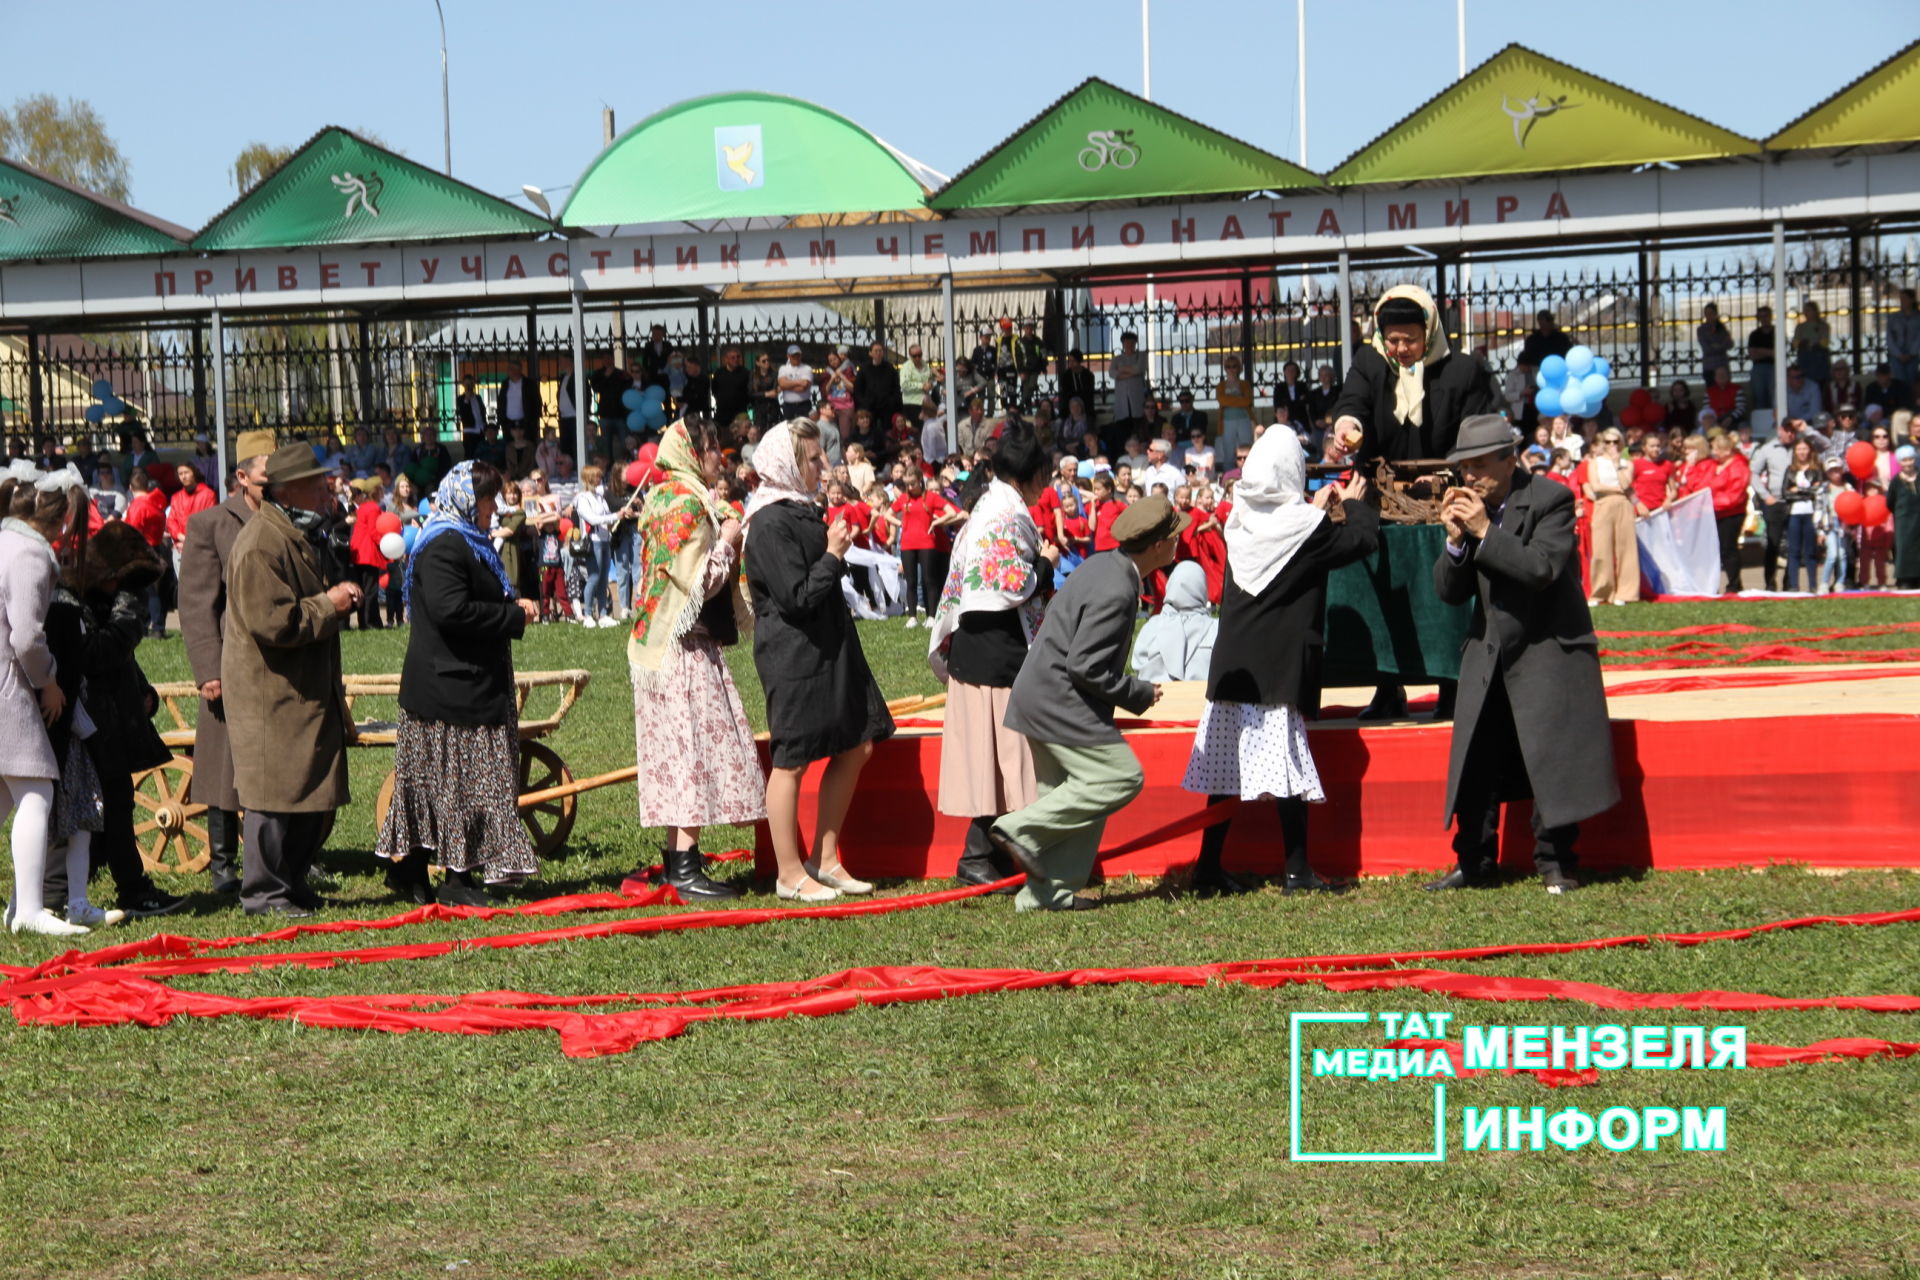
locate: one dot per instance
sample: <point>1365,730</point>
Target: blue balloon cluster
<point>1575,384</point>
<point>106,404</point>
<point>408,533</point>
<point>646,407</point>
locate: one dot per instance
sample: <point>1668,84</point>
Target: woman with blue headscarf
<point>456,791</point>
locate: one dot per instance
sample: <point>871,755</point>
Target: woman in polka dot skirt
<point>1265,676</point>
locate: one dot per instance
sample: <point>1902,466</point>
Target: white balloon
<point>393,546</point>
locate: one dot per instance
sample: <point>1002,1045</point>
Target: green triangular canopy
<point>1882,106</point>
<point>43,217</point>
<point>1523,112</point>
<point>341,189</point>
<point>1102,143</point>
<point>744,155</point>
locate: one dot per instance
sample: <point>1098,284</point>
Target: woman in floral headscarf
<point>456,761</point>
<point>988,614</point>
<point>698,765</point>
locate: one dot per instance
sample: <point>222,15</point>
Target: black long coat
<point>821,696</point>
<point>1457,387</point>
<point>1268,648</point>
<point>1531,630</point>
<point>459,666</point>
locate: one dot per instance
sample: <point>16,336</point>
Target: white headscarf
<point>1177,642</point>
<point>1410,381</point>
<point>1271,515</point>
<point>779,473</point>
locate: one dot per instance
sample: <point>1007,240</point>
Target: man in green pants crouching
<point>1063,701</point>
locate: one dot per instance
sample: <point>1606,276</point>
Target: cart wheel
<point>384,803</point>
<point>550,822</point>
<point>173,836</point>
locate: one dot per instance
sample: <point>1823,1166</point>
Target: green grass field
<point>1104,1132</point>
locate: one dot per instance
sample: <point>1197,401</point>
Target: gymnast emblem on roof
<point>1531,111</point>
<point>7,204</point>
<point>361,193</point>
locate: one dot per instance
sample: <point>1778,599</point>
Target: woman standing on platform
<point>456,761</point>
<point>1265,676</point>
<point>698,764</point>
<point>989,611</point>
<point>822,702</point>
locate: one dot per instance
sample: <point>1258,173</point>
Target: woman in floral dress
<point>698,765</point>
<point>988,614</point>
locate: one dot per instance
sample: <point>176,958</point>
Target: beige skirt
<point>986,769</point>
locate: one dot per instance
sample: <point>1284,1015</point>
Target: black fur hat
<point>117,554</point>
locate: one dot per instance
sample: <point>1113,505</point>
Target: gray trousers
<point>277,851</point>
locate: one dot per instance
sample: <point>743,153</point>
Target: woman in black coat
<point>1265,677</point>
<point>456,761</point>
<point>822,702</point>
<point>1406,393</point>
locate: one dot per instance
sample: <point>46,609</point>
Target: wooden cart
<point>170,825</point>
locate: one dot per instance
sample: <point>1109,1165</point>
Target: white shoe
<point>93,917</point>
<point>912,623</point>
<point>608,620</point>
<point>820,893</point>
<point>45,922</point>
<point>842,882</point>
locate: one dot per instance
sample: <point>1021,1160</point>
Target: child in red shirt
<point>1107,506</point>
<point>918,510</point>
<point>368,562</point>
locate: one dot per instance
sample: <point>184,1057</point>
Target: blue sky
<point>184,87</point>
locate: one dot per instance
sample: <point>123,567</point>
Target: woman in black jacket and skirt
<point>456,763</point>
<point>1265,677</point>
<point>822,702</point>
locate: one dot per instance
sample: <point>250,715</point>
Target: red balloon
<point>1873,509</point>
<point>566,527</point>
<point>1860,459</point>
<point>387,523</point>
<point>1850,507</point>
<point>647,452</point>
<point>636,474</point>
<point>1640,396</point>
<point>165,477</point>
<point>383,582</point>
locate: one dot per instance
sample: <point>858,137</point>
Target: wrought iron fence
<point>315,374</point>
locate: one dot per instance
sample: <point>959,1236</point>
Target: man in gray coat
<point>1063,701</point>
<point>1532,713</point>
<point>203,608</point>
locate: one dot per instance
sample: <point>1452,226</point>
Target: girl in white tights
<point>30,698</point>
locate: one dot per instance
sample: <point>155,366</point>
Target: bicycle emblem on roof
<point>1109,147</point>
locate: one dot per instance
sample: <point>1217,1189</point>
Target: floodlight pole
<point>948,340</point>
<point>220,399</point>
<point>1146,91</point>
<point>446,102</point>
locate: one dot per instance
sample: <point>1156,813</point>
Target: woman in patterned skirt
<point>456,764</point>
<point>698,764</point>
<point>1265,676</point>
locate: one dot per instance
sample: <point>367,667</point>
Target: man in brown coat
<point>203,607</point>
<point>280,680</point>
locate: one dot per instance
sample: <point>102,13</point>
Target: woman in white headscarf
<point>1177,642</point>
<point>822,702</point>
<point>1265,677</point>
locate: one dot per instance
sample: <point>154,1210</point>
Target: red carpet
<point>1696,794</point>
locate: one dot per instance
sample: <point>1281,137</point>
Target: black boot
<point>1209,877</point>
<point>460,890</point>
<point>687,875</point>
<point>1389,703</point>
<point>1293,833</point>
<point>1449,693</point>
<point>981,863</point>
<point>407,877</point>
<point>223,856</point>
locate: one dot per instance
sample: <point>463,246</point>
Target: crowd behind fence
<point>312,373</point>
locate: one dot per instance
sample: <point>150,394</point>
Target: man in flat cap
<point>280,680</point>
<point>1532,714</point>
<point>203,608</point>
<point>1063,701</point>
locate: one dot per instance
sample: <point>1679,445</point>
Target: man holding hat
<point>1063,701</point>
<point>1532,714</point>
<point>280,682</point>
<point>204,557</point>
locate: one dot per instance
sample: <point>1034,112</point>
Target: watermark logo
<point>1415,1048</point>
<point>738,157</point>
